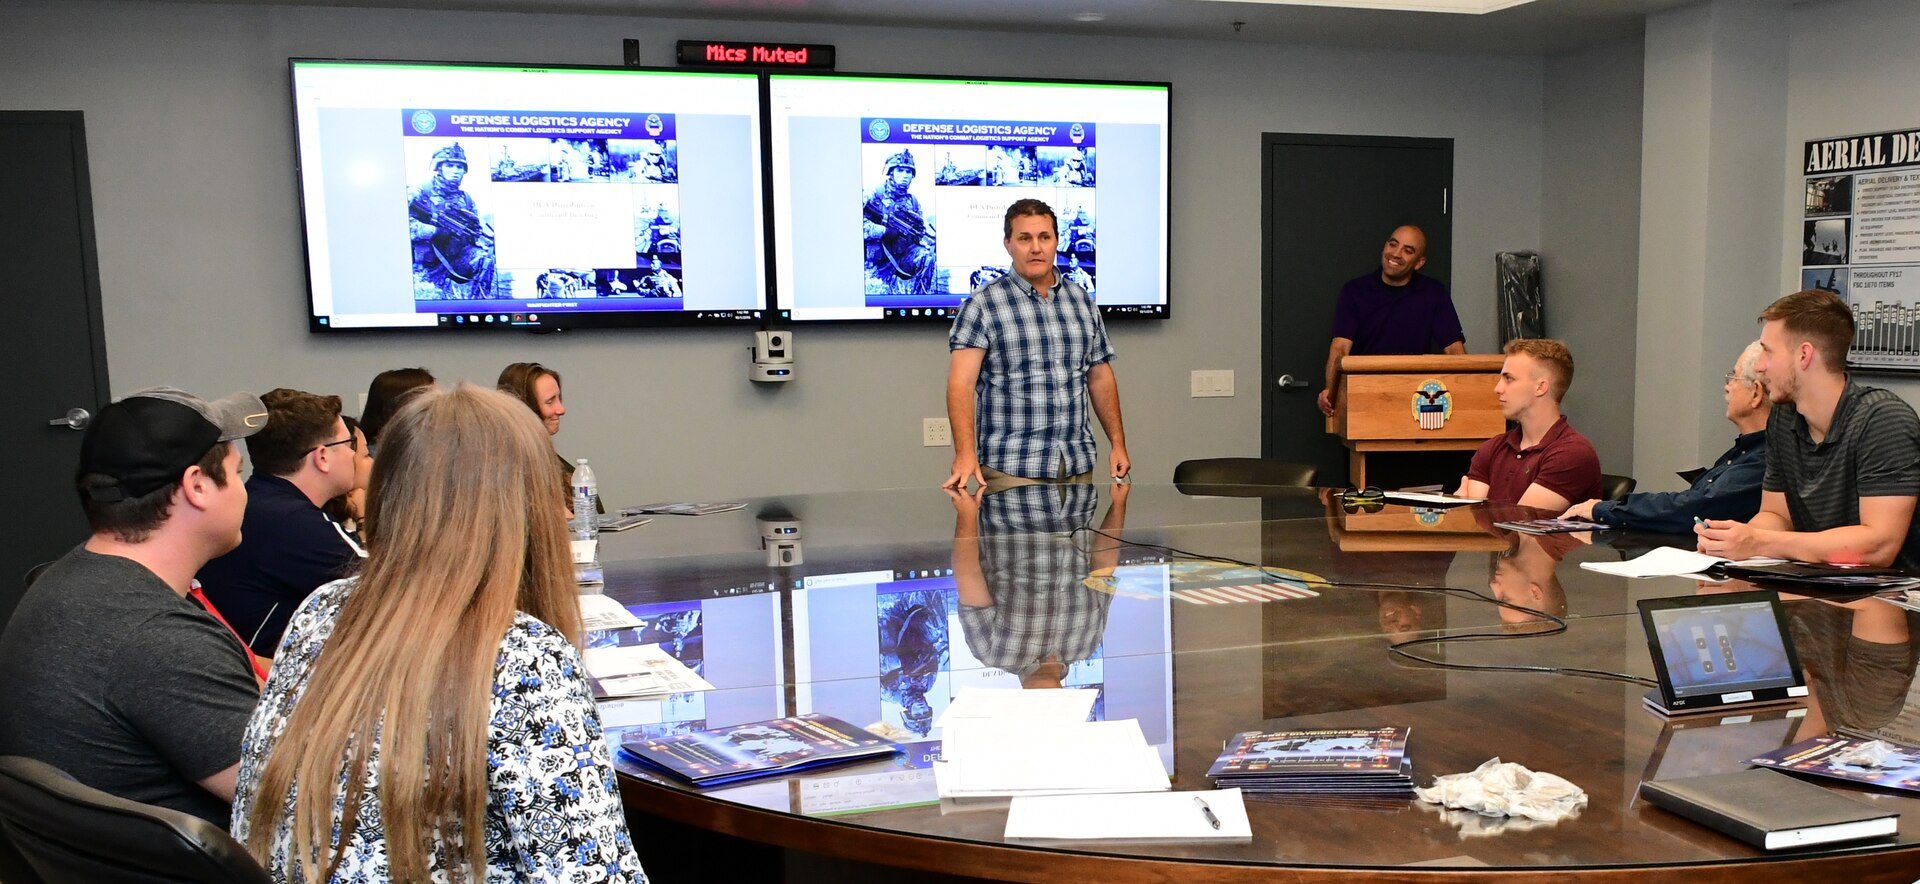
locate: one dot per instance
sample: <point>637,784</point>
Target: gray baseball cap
<point>146,440</point>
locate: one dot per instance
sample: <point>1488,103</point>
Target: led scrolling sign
<point>738,54</point>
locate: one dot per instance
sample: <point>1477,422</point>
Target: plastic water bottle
<point>586,502</point>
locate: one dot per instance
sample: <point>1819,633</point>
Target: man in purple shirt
<point>1395,312</point>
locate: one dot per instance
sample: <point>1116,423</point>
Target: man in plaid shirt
<point>1029,351</point>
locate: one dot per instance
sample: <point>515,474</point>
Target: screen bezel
<point>1648,607</point>
<point>561,322</point>
<point>784,310</point>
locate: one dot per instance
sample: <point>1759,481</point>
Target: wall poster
<point>1861,239</point>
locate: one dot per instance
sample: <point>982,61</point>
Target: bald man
<point>1394,312</point>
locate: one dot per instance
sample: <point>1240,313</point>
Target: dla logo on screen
<point>654,126</point>
<point>1078,133</point>
<point>879,130</point>
<point>423,121</point>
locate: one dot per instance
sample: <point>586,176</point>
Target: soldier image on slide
<point>900,240</point>
<point>453,247</point>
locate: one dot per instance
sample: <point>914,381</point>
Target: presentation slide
<point>933,164</point>
<point>458,196</point>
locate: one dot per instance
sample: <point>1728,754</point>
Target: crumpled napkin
<point>1872,754</point>
<point>1499,788</point>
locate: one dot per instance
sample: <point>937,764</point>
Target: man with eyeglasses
<point>288,545</point>
<point>1843,458</point>
<point>1730,489</point>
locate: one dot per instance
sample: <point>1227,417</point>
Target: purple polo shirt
<point>1408,320</point>
<point>1564,463</point>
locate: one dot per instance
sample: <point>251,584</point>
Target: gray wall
<point>1589,235</point>
<point>1712,127</point>
<point>1852,70</point>
<point>201,264</point>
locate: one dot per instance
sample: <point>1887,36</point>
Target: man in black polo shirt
<point>1843,464</point>
<point>288,547</point>
<point>107,671</point>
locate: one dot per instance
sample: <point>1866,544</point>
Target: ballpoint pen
<point>1212,820</point>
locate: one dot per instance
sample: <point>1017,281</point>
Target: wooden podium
<point>1415,403</point>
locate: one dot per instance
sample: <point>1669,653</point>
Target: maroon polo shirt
<point>1564,463</point>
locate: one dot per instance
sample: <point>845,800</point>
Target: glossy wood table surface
<point>902,598</point>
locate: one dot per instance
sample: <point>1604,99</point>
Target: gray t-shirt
<point>1872,449</point>
<point>109,675</point>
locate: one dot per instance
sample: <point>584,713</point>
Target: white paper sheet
<point>986,757</point>
<point>641,671</point>
<point>598,612</point>
<point>1437,499</point>
<point>1667,561</point>
<point>1139,816</point>
<point>1062,705</point>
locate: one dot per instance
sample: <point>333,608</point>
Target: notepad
<point>1771,810</point>
<point>1138,816</point>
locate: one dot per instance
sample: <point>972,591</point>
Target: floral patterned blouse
<point>553,806</point>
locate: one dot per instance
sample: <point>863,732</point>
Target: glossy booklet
<point>760,749</point>
<point>1380,750</point>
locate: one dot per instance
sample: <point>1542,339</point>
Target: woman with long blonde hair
<point>439,695</point>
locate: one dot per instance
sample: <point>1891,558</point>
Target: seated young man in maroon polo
<point>1542,461</point>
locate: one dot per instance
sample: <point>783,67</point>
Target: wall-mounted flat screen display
<point>890,192</point>
<point>458,196</point>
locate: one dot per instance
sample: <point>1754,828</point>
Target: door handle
<point>75,419</point>
<point>1288,381</point>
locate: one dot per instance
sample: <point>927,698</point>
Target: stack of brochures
<point>1000,743</point>
<point>1345,762</point>
<point>640,671</point>
<point>760,749</point>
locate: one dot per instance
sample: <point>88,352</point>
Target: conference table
<point>895,601</point>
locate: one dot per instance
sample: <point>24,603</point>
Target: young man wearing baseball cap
<point>108,670</point>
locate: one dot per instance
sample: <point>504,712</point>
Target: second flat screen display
<point>889,193</point>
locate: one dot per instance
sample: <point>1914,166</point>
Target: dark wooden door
<point>53,341</point>
<point>1330,202</point>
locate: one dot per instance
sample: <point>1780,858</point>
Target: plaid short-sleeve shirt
<point>1030,404</point>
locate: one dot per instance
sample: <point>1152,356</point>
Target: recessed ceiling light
<point>1089,16</point>
<point>1469,7</point>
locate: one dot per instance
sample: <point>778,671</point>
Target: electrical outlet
<point>935,432</point>
<point>1215,383</point>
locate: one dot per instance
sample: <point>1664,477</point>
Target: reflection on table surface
<point>1203,616</point>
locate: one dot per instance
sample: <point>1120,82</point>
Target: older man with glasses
<point>288,545</point>
<point>1730,489</point>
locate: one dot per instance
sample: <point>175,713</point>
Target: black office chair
<point>13,866</point>
<point>74,834</point>
<point>34,573</point>
<point>1252,471</point>
<point>1615,487</point>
